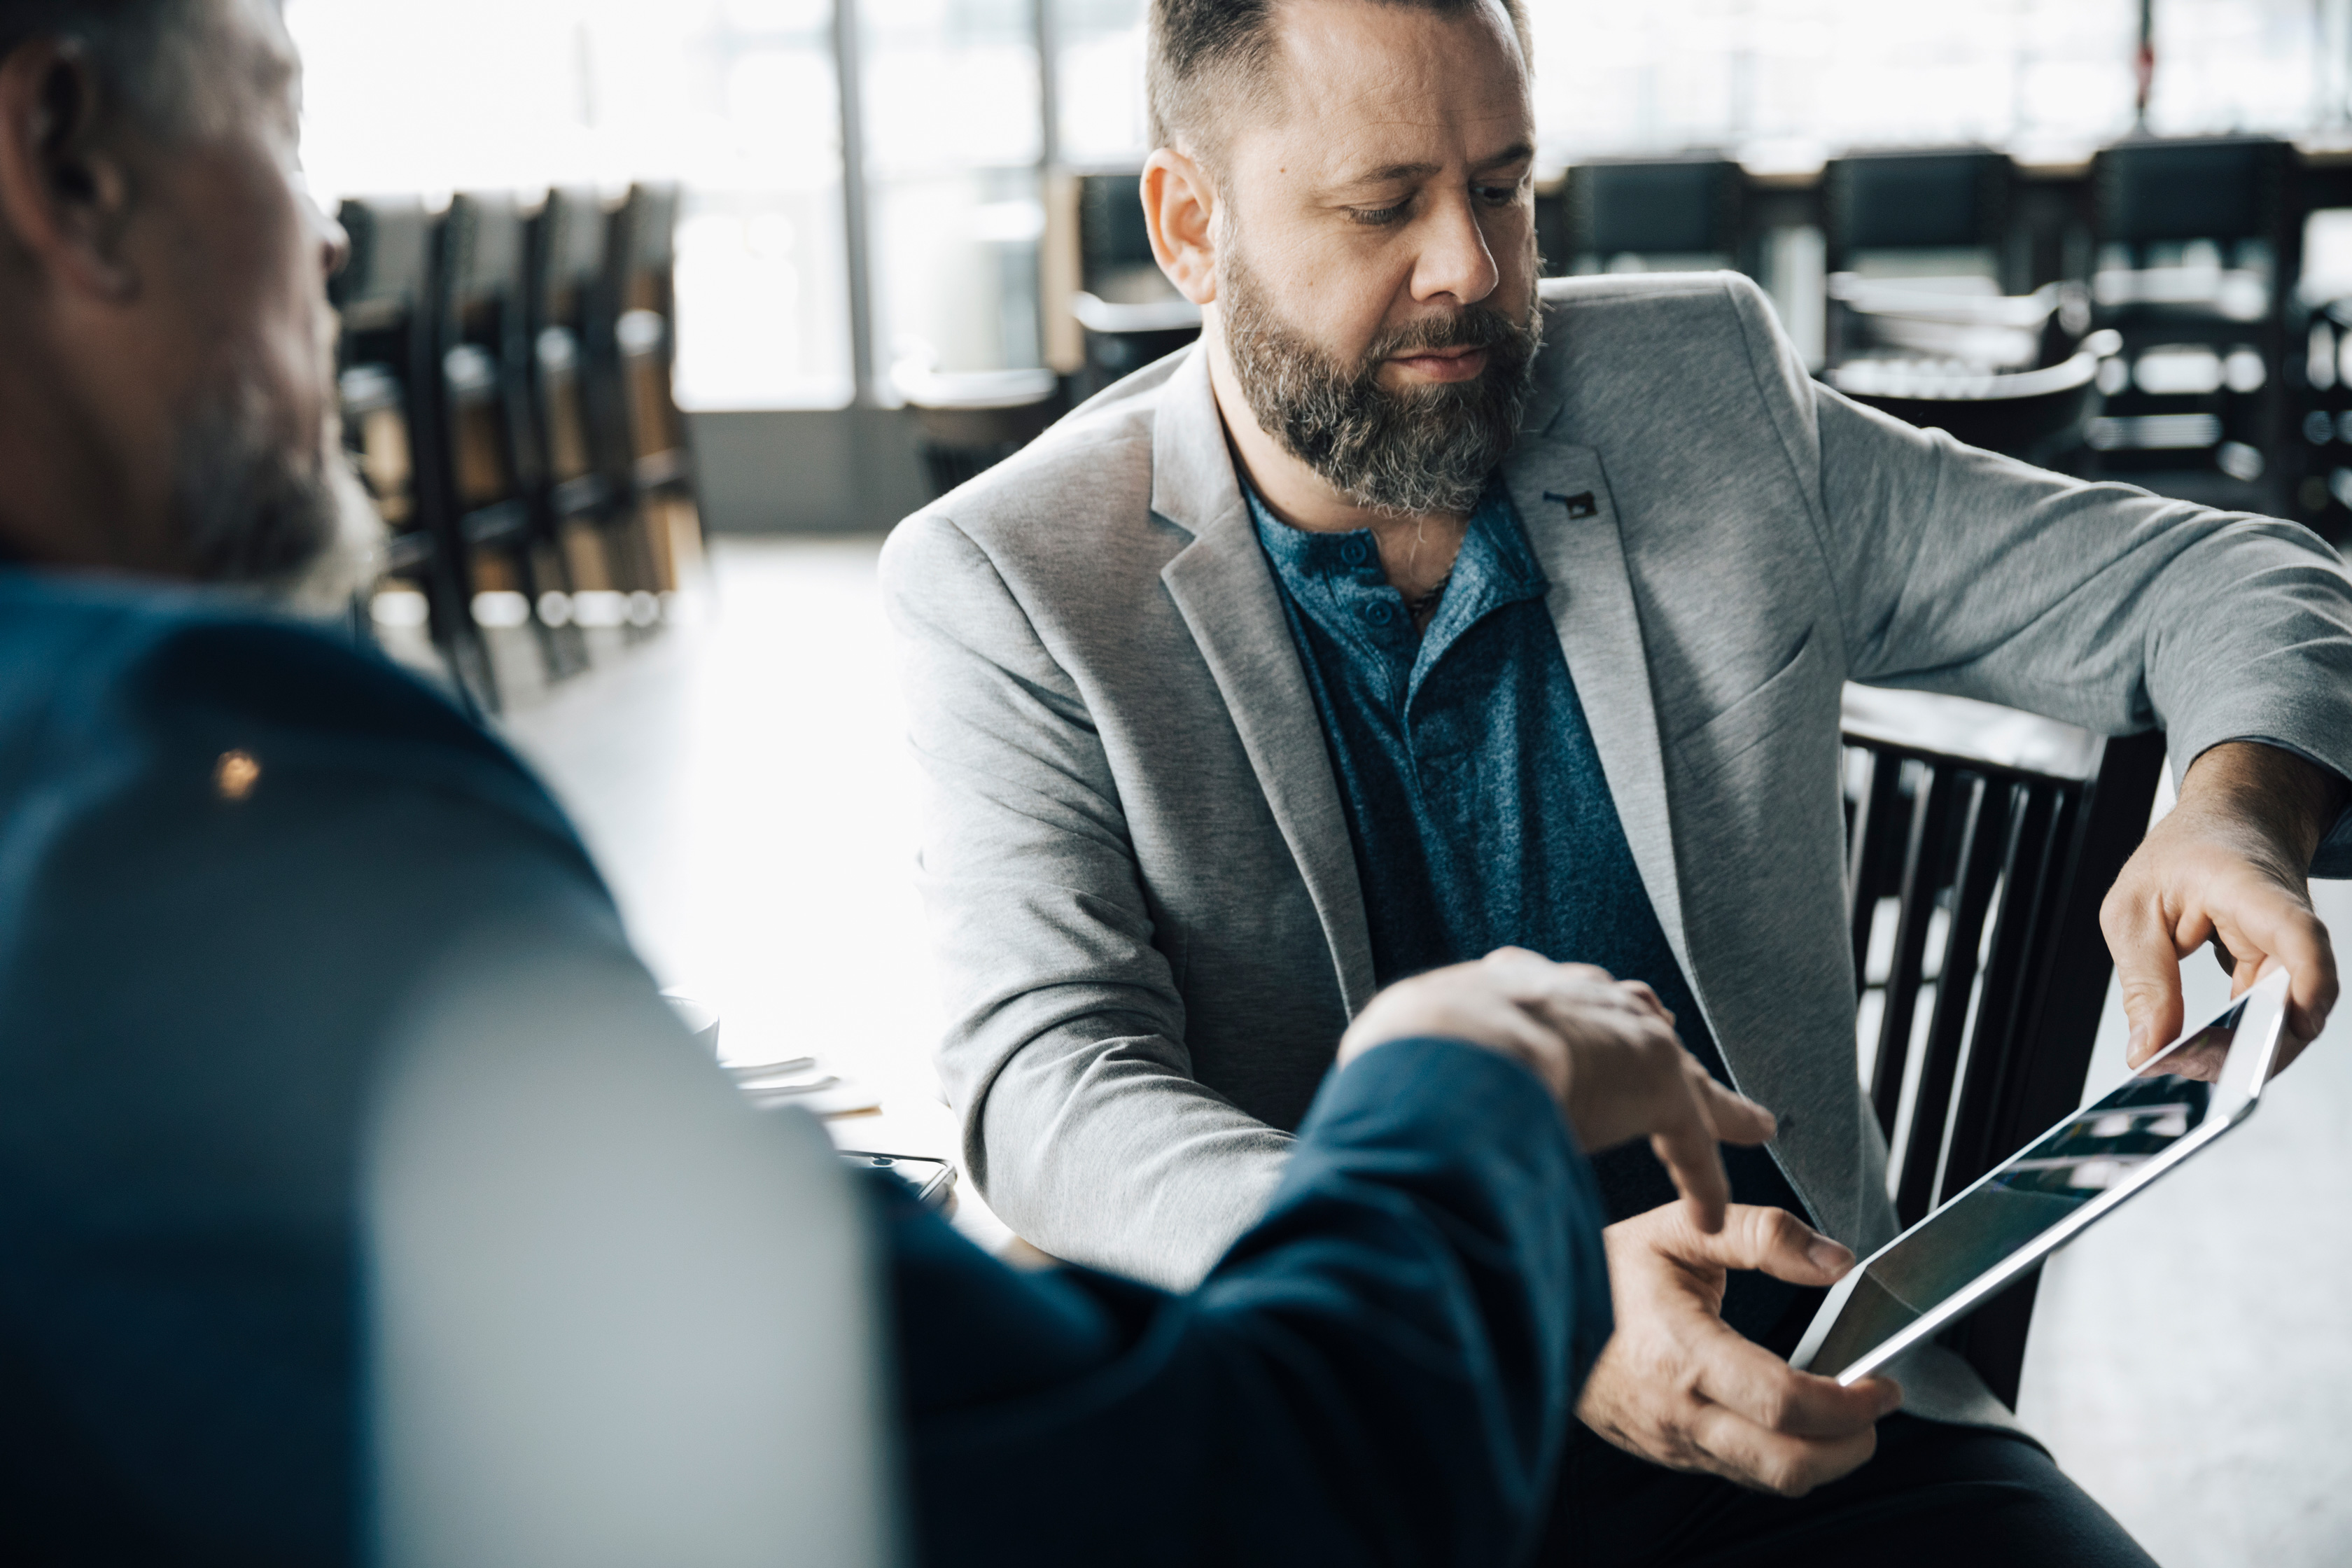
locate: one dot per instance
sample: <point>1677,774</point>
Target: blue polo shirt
<point>1476,803</point>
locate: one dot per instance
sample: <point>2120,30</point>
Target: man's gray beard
<point>1429,449</point>
<point>293,526</point>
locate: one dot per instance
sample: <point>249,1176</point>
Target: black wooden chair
<point>574,502</point>
<point>492,468</point>
<point>1932,314</point>
<point>1656,212</point>
<point>969,423</point>
<point>1129,314</point>
<point>638,437</point>
<point>1980,843</point>
<point>2038,416</point>
<point>388,363</point>
<point>2219,425</point>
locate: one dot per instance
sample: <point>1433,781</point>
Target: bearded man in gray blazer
<point>1419,610</point>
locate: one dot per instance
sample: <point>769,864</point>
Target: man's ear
<point>64,189</point>
<point>1180,208</point>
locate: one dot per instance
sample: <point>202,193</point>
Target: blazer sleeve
<point>1383,1371</point>
<point>1958,571</point>
<point>1081,1119</point>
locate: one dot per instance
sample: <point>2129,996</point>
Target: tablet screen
<point>2098,1149</point>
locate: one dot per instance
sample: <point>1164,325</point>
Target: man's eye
<point>1377,216</point>
<point>1496,195</point>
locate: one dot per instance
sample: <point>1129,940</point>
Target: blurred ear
<point>65,188</point>
<point>1179,207</point>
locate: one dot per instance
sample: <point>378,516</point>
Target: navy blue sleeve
<point>1383,1371</point>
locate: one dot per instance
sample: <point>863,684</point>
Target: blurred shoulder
<point>102,680</point>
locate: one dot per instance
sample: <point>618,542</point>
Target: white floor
<point>745,782</point>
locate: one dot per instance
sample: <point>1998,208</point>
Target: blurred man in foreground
<point>360,1198</point>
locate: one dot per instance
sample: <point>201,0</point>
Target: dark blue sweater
<point>229,843</point>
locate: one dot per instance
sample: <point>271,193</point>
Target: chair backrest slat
<point>1931,810</point>
<point>1871,868</point>
<point>1982,837</point>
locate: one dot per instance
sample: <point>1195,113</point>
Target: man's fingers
<point>1752,1382</point>
<point>1772,1240</point>
<point>1736,1118</point>
<point>2147,970</point>
<point>1690,1155</point>
<point>2268,923</point>
<point>1641,992</point>
<point>1770,1461</point>
<point>1690,1147</point>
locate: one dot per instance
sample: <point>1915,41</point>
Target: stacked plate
<point>803,1081</point>
<point>778,1081</point>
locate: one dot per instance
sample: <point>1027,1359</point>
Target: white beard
<point>353,559</point>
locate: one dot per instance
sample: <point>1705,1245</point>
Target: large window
<point>737,99</point>
<point>953,141</point>
<point>741,101</point>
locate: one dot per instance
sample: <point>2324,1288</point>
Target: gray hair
<point>1205,56</point>
<point>141,49</point>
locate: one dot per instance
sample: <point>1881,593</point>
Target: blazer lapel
<point>1563,501</point>
<point>1227,595</point>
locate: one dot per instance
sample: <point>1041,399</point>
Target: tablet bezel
<point>2234,1098</point>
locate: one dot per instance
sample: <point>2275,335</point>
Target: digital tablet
<point>2060,1186</point>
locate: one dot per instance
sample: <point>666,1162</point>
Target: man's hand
<point>1679,1387</point>
<point>2227,864</point>
<point>1605,1047</point>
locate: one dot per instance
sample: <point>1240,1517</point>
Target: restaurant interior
<point>659,317</point>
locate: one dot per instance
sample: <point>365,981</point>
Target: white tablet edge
<point>2266,1002</point>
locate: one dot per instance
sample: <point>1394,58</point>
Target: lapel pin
<point>1580,504</point>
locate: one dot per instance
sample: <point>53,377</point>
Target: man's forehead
<point>253,66</point>
<point>1374,86</point>
<point>258,27</point>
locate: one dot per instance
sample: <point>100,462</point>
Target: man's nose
<point>334,244</point>
<point>1454,259</point>
<point>334,239</point>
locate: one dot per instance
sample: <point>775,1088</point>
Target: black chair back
<point>1681,208</point>
<point>1112,236</point>
<point>389,361</point>
<point>1950,203</point>
<point>1976,872</point>
<point>566,262</point>
<point>1956,199</point>
<point>641,443</point>
<point>1130,316</point>
<point>495,467</point>
<point>2231,440</point>
<point>484,349</point>
<point>384,355</point>
<point>2218,188</point>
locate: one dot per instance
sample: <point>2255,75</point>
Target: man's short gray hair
<point>142,49</point>
<point>1206,57</point>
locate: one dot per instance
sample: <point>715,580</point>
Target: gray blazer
<point>1145,900</point>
